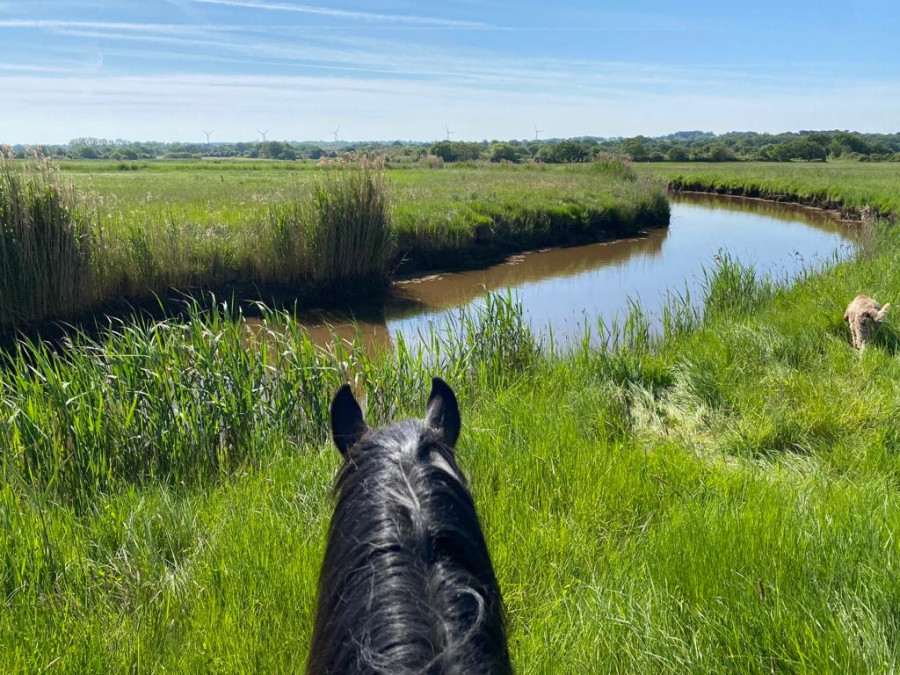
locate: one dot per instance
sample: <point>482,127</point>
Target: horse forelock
<point>407,583</point>
<point>404,446</point>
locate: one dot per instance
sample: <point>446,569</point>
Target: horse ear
<point>882,314</point>
<point>442,413</point>
<point>347,422</point>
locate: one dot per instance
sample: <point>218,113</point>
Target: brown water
<point>566,289</point>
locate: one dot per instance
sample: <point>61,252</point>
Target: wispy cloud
<point>183,5</point>
<point>55,70</point>
<point>51,24</point>
<point>422,62</point>
<point>346,14</point>
<point>308,107</point>
<point>383,68</point>
<point>258,49</point>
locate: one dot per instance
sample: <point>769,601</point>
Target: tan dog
<point>865,317</point>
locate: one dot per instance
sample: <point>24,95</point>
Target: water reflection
<point>828,221</point>
<point>442,291</point>
<point>323,328</point>
<point>566,289</point>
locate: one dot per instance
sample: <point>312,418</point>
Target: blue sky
<point>397,69</point>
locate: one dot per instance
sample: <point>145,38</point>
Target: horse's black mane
<point>407,584</point>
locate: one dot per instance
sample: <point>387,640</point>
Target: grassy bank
<point>721,499</point>
<point>724,499</point>
<point>854,188</point>
<point>447,217</point>
<point>262,231</point>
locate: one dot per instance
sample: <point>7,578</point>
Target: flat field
<point>854,184</point>
<point>723,499</point>
<point>159,226</point>
<point>431,207</point>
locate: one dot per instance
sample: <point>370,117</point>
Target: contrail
<point>345,14</point>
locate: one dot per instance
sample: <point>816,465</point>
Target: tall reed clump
<point>45,245</point>
<point>490,340</point>
<point>340,239</point>
<point>179,403</point>
<point>732,289</point>
<point>614,166</point>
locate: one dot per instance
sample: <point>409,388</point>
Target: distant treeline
<point>683,146</point>
<point>811,146</point>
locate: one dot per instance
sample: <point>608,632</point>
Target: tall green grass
<point>318,234</point>
<point>720,497</point>
<point>341,237</point>
<point>858,189</point>
<point>173,403</point>
<point>46,243</point>
<point>63,253</point>
<point>715,499</point>
<point>459,217</point>
<point>732,290</point>
<point>615,166</point>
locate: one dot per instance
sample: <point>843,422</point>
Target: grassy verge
<point>60,254</point>
<point>320,234</point>
<point>854,188</point>
<point>723,499</point>
<point>474,216</point>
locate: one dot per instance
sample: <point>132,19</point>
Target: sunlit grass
<point>46,243</point>
<point>721,497</point>
<point>853,186</point>
<point>717,498</point>
<point>323,234</point>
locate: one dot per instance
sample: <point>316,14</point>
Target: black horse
<point>407,584</point>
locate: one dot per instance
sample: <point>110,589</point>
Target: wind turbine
<point>263,134</point>
<point>335,132</point>
<point>208,134</point>
<point>536,130</point>
<point>447,129</point>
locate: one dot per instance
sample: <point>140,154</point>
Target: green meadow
<point>722,497</point>
<point>849,186</point>
<point>133,234</point>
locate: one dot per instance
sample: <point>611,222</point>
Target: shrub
<point>721,153</point>
<point>432,161</point>
<point>635,149</point>
<point>501,152</point>
<point>457,151</point>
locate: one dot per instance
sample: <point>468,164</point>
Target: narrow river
<point>568,288</point>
